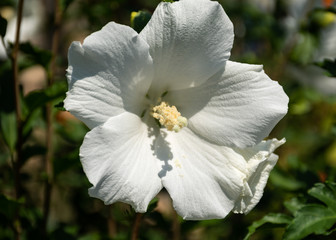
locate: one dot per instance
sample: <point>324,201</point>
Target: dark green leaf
<point>34,150</point>
<point>60,106</point>
<point>6,87</point>
<point>139,20</point>
<point>3,26</point>
<point>65,4</point>
<point>7,3</point>
<point>152,205</point>
<point>271,220</point>
<point>329,65</point>
<point>39,98</point>
<point>8,129</point>
<point>8,207</point>
<point>63,164</point>
<point>91,236</point>
<point>37,55</point>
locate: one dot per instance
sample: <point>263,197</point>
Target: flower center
<point>169,117</point>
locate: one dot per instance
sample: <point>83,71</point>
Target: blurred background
<point>43,189</point>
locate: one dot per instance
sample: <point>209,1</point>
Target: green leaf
<point>294,204</point>
<point>303,50</point>
<point>312,218</point>
<point>8,207</point>
<point>152,205</point>
<point>3,26</point>
<point>60,106</point>
<point>284,181</point>
<point>39,98</point>
<point>8,129</point>
<point>91,236</point>
<point>271,220</point>
<point>65,4</point>
<point>37,55</point>
<point>6,3</point>
<point>34,150</point>
<point>63,164</point>
<point>315,218</point>
<point>329,65</point>
<point>6,87</point>
<point>325,193</point>
<point>139,20</point>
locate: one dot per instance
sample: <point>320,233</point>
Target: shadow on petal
<point>161,149</point>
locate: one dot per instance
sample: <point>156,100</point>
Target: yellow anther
<point>169,117</point>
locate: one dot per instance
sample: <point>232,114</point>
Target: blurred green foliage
<point>299,200</point>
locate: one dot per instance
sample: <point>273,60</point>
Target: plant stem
<point>17,160</point>
<point>111,223</point>
<point>135,230</point>
<point>49,117</point>
<point>176,227</point>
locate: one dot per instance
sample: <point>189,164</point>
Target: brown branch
<point>176,229</point>
<point>135,229</point>
<point>49,116</point>
<point>111,223</point>
<point>17,161</point>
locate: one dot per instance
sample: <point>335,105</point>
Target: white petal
<point>118,160</point>
<point>204,180</point>
<point>109,73</point>
<point>189,40</point>
<point>260,161</point>
<point>236,108</point>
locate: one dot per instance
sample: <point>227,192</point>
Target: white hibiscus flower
<point>168,110</point>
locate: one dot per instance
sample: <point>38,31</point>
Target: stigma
<point>169,117</point>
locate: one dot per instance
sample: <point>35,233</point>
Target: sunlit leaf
<point>326,193</point>
<point>312,218</point>
<point>315,218</point>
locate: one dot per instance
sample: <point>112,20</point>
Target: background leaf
<point>8,129</point>
<point>3,26</point>
<point>139,20</point>
<point>270,220</point>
